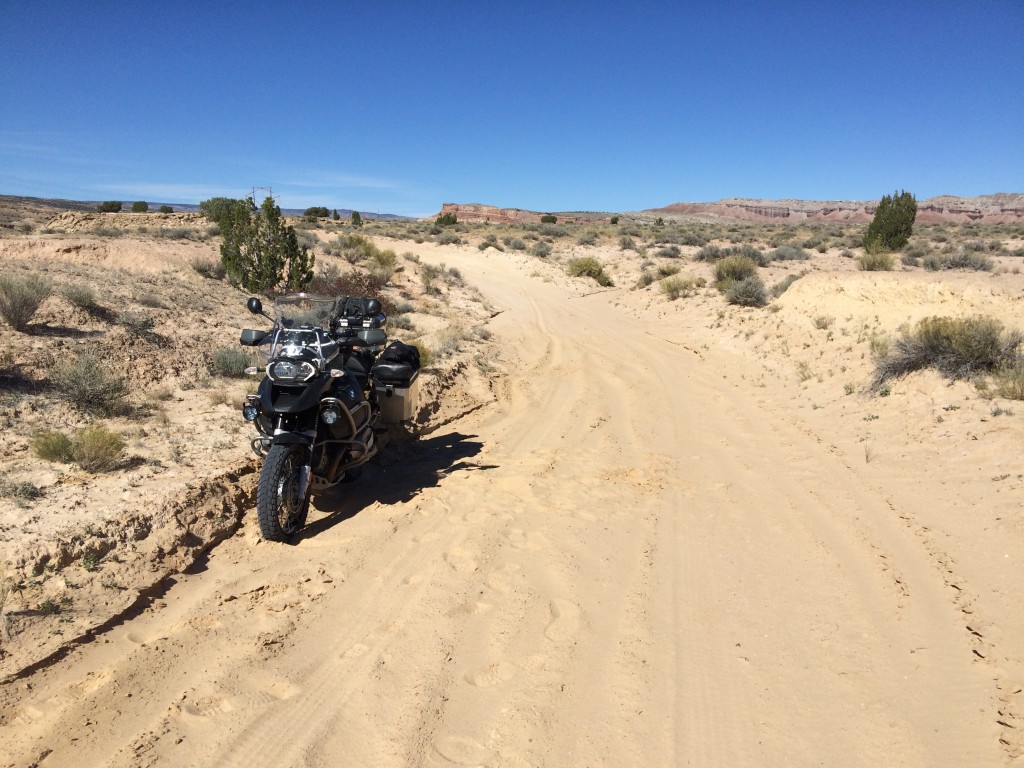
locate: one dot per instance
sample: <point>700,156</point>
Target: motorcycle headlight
<point>288,370</point>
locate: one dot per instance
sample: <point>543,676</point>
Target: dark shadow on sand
<point>397,475</point>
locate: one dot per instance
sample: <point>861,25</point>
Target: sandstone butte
<point>987,209</point>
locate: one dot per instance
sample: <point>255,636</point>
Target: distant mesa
<point>989,209</point>
<point>946,209</point>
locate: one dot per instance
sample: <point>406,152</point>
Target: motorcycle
<point>332,382</point>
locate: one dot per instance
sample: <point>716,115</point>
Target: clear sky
<point>398,107</point>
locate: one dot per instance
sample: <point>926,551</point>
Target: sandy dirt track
<point>630,558</point>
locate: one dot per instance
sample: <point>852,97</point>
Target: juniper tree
<point>893,223</point>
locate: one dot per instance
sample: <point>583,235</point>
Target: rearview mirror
<point>254,305</point>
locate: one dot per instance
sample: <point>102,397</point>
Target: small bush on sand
<point>1009,381</point>
<point>448,238</point>
<point>790,253</point>
<point>208,268</point>
<point>81,296</point>
<point>588,267</point>
<point>957,347</point>
<point>97,449</point>
<point>587,238</point>
<point>748,292</point>
<point>230,362</point>
<point>89,384</point>
<point>52,446</point>
<point>963,259</point>
<point>733,269</point>
<point>541,249</point>
<point>674,287</point>
<point>20,297</point>
<point>627,243</point>
<point>709,253</point>
<point>875,262</point>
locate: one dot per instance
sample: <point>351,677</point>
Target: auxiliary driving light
<point>330,415</point>
<point>250,412</point>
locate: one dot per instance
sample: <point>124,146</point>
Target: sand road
<point>630,558</point>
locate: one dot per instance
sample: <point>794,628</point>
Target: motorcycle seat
<point>390,373</point>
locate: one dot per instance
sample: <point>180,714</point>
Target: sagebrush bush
<point>208,268</point>
<point>448,238</point>
<point>97,449</point>
<point>963,259</point>
<point>52,446</point>
<point>230,362</point>
<point>588,266</point>
<point>88,383</point>
<point>709,253</point>
<point>957,347</point>
<point>626,243</point>
<point>734,268</point>
<point>875,262</point>
<point>587,238</point>
<point>669,252</point>
<point>790,253</point>
<point>81,296</point>
<point>21,297</point>
<point>748,292</point>
<point>541,249</point>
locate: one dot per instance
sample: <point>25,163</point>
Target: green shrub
<point>230,362</point>
<point>383,263</point>
<point>733,269</point>
<point>875,262</point>
<point>548,218</point>
<point>447,220</point>
<point>260,251</point>
<point>20,297</point>
<point>589,267</point>
<point>316,212</point>
<point>613,220</point>
<point>89,384</point>
<point>956,347</point>
<point>747,292</point>
<point>166,209</point>
<point>140,206</point>
<point>109,206</point>
<point>52,446</point>
<point>893,223</point>
<point>97,449</point>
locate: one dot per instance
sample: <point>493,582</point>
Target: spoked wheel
<point>280,505</point>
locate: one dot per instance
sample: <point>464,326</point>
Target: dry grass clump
<point>957,347</point>
<point>20,297</point>
<point>94,448</point>
<point>588,266</point>
<point>89,384</point>
<point>52,446</point>
<point>81,296</point>
<point>783,285</point>
<point>97,449</point>
<point>875,262</point>
<point>212,269</point>
<point>674,287</point>
<point>1009,381</point>
<point>732,269</point>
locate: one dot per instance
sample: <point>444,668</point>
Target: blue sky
<point>399,107</point>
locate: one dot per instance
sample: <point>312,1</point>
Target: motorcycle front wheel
<point>280,505</point>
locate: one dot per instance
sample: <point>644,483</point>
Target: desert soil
<point>666,540</point>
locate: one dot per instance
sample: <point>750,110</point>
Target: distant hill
<point>16,208</point>
<point>997,208</point>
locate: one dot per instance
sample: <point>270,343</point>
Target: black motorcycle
<point>330,385</point>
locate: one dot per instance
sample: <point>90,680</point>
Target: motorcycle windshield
<point>302,324</point>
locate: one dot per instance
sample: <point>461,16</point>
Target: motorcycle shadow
<point>395,476</point>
